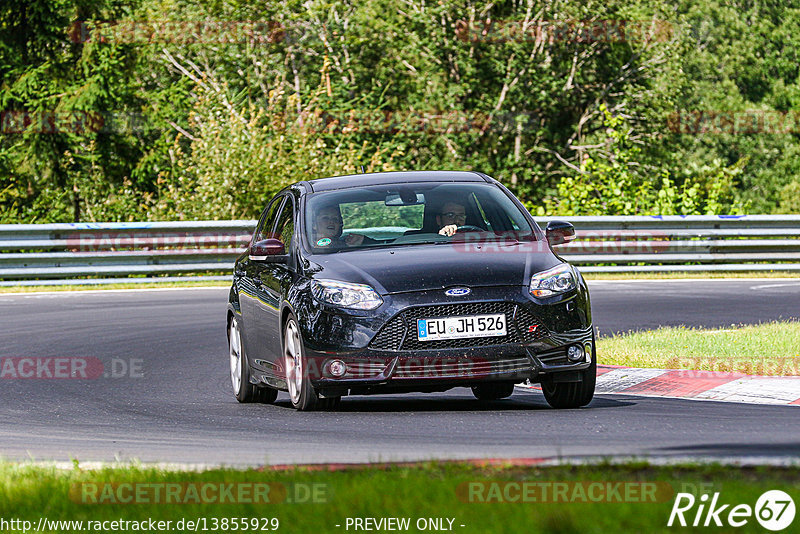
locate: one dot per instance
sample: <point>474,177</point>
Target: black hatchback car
<point>406,282</point>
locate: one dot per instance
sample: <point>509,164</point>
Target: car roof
<point>382,178</point>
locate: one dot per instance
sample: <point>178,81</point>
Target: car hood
<point>425,267</point>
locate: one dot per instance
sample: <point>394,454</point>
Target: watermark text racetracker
<point>180,31</point>
<point>567,30</point>
<point>581,491</point>
<point>710,367</point>
<point>588,242</point>
<point>100,240</point>
<point>69,368</point>
<point>273,32</point>
<point>733,122</point>
<point>210,492</point>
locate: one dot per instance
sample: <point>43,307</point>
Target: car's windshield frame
<point>531,233</point>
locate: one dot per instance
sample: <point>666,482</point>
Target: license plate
<point>461,327</point>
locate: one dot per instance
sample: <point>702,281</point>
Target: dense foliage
<point>171,109</point>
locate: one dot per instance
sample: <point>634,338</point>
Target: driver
<point>450,217</point>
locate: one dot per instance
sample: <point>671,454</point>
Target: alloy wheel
<point>235,346</point>
<point>293,357</point>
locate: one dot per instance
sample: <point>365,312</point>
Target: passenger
<point>328,226</point>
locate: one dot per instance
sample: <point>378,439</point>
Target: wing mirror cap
<point>559,232</point>
<point>268,251</point>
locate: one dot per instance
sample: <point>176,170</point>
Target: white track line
<point>68,293</point>
<point>669,280</point>
<point>760,390</point>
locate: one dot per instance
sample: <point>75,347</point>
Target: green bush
<point>790,199</point>
<point>240,155</point>
<point>614,183</point>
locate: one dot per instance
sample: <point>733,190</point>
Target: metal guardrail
<point>60,253</point>
<point>684,243</point>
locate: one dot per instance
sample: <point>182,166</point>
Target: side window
<point>285,229</point>
<point>267,222</point>
<point>495,216</point>
<point>481,215</point>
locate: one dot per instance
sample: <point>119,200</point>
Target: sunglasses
<point>454,215</point>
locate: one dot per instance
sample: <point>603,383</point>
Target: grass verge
<point>770,349</point>
<point>588,499</point>
<point>692,275</point>
<point>122,285</point>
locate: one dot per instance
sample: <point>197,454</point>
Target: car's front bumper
<point>381,352</point>
<point>367,373</point>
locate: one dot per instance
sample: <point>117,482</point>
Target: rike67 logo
<point>774,510</point>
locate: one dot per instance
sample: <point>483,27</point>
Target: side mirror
<point>268,251</point>
<point>559,232</point>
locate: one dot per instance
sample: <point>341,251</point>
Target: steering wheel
<point>469,228</point>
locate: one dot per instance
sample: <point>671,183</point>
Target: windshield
<point>412,214</point>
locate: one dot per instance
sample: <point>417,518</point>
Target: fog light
<point>575,353</point>
<point>337,368</point>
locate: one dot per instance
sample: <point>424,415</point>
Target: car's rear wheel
<point>493,390</point>
<point>243,390</point>
<point>301,392</point>
<point>573,394</point>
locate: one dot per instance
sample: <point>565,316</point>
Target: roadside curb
<point>697,385</point>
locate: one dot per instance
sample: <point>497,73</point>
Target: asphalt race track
<point>619,306</point>
<point>166,397</point>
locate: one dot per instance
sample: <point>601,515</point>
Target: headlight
<point>346,295</point>
<point>555,281</point>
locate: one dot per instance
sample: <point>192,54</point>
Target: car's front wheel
<point>572,394</point>
<point>301,392</point>
<point>240,371</point>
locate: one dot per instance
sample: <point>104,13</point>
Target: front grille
<point>391,336</point>
<point>460,367</point>
<point>529,326</point>
<point>401,332</point>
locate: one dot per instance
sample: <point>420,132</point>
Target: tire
<point>243,390</point>
<point>573,394</point>
<point>493,390</point>
<point>302,394</point>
